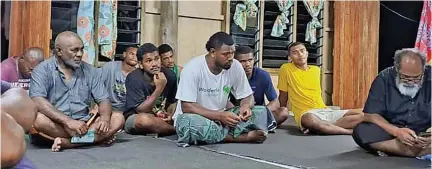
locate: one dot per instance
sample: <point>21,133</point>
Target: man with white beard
<point>397,116</point>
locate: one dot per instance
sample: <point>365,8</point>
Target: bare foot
<point>256,136</point>
<point>110,141</point>
<point>305,131</point>
<point>56,147</point>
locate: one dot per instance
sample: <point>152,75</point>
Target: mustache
<point>406,89</point>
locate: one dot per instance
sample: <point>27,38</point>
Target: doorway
<point>399,22</point>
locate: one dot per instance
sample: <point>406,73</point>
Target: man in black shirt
<point>150,95</point>
<point>398,108</point>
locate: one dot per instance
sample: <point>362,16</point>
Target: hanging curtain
<point>85,29</point>
<point>243,11</point>
<point>280,23</point>
<point>424,34</point>
<point>313,7</point>
<point>107,28</point>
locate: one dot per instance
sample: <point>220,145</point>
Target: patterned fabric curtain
<point>85,29</point>
<point>424,34</point>
<point>313,7</point>
<point>248,9</point>
<point>280,23</point>
<point>107,28</point>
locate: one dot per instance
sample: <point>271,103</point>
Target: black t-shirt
<point>402,111</point>
<point>138,88</point>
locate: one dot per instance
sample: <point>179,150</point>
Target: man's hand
<point>245,113</point>
<point>160,80</point>
<point>168,119</point>
<point>102,127</point>
<point>229,118</point>
<point>77,127</point>
<point>423,142</point>
<point>406,136</point>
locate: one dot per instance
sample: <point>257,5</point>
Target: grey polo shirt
<point>73,98</point>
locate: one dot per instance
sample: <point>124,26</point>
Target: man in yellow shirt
<point>299,84</point>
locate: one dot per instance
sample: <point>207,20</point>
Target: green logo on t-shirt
<point>227,89</point>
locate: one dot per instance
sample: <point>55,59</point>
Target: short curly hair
<point>144,49</point>
<point>219,39</point>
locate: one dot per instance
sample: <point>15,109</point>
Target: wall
<point>197,21</point>
<point>356,27</point>
<point>30,24</point>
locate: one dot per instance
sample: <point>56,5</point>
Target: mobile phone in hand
<point>424,134</point>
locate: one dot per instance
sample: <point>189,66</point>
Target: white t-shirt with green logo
<point>197,84</point>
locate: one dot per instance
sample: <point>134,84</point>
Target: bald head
<point>69,49</point>
<point>410,61</point>
<point>29,60</point>
<point>35,54</point>
<point>64,38</point>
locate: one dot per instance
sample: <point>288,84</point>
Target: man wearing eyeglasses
<point>398,109</point>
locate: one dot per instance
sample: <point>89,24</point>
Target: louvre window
<point>250,36</point>
<point>315,49</point>
<point>274,48</point>
<point>128,25</point>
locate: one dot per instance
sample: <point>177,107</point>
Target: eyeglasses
<point>414,79</point>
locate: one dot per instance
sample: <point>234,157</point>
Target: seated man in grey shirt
<point>62,88</point>
<point>113,75</point>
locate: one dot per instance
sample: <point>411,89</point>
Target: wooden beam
<point>30,26</point>
<point>327,58</point>
<point>169,24</point>
<point>142,23</point>
<point>356,28</point>
<point>261,33</point>
<point>16,45</point>
<point>227,16</point>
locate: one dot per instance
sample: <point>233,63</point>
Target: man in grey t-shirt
<point>113,75</point>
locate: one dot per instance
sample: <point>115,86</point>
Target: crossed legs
<point>396,147</point>
<point>194,128</point>
<point>344,125</point>
<point>62,140</point>
<point>145,123</point>
<point>280,114</point>
<point>371,137</point>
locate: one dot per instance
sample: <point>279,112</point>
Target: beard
<point>406,89</point>
<point>72,64</point>
<point>225,66</point>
